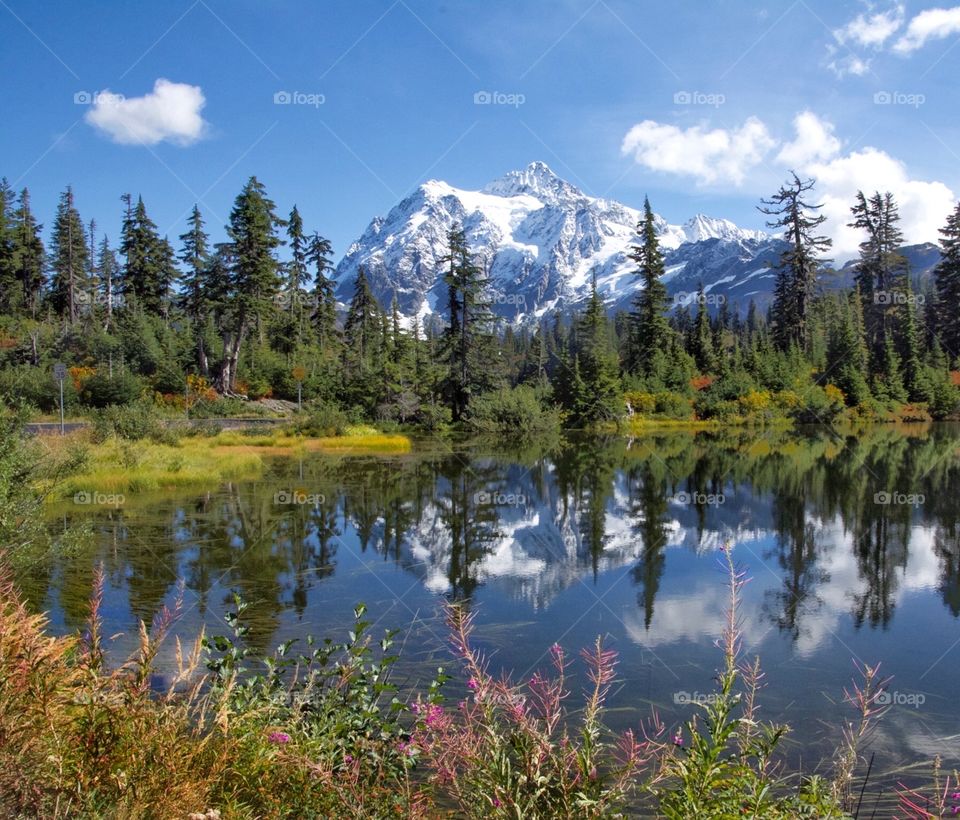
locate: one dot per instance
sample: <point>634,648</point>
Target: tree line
<point>145,316</point>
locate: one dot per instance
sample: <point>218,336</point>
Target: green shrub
<point>131,422</point>
<point>321,420</point>
<point>672,405</point>
<point>515,411</point>
<point>102,390</point>
<point>35,386</point>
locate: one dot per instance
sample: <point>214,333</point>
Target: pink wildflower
<point>278,737</point>
<point>472,684</point>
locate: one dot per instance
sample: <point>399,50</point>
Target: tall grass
<point>324,732</point>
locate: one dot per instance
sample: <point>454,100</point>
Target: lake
<point>851,541</point>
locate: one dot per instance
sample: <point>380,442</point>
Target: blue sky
<point>702,104</point>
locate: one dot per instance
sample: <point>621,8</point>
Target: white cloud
<point>851,64</point>
<point>924,206</point>
<point>814,141</point>
<point>717,156</point>
<point>871,30</point>
<point>727,156</point>
<point>171,112</point>
<point>932,24</point>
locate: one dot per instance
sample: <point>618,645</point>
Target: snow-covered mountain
<point>541,241</point>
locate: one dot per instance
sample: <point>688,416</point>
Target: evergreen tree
<point>195,297</point>
<point>466,340</point>
<point>68,259</point>
<point>362,327</point>
<point>700,344</point>
<point>319,253</point>
<point>108,268</point>
<point>846,364</point>
<point>881,270</point>
<point>10,293</point>
<point>149,262</point>
<point>650,328</point>
<point>948,287</point>
<point>914,380</point>
<point>28,255</point>
<point>595,387</point>
<point>253,273</point>
<point>800,264</point>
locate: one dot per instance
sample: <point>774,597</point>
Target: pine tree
<point>29,256</point>
<point>319,253</point>
<point>700,344</point>
<point>595,388</point>
<point>881,270</point>
<point>195,297</point>
<point>650,328</point>
<point>846,364</point>
<point>800,264</point>
<point>948,287</point>
<point>68,259</point>
<point>362,327</point>
<point>914,380</point>
<point>253,273</point>
<point>466,340</point>
<point>9,292</point>
<point>149,262</point>
<point>398,339</point>
<point>108,268</point>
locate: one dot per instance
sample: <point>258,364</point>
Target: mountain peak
<point>537,179</point>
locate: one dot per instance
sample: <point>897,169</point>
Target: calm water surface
<point>852,542</point>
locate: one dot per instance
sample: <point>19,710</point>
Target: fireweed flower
<point>278,737</point>
<point>472,684</point>
<point>678,738</point>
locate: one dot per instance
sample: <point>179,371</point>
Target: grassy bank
<point>79,463</point>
